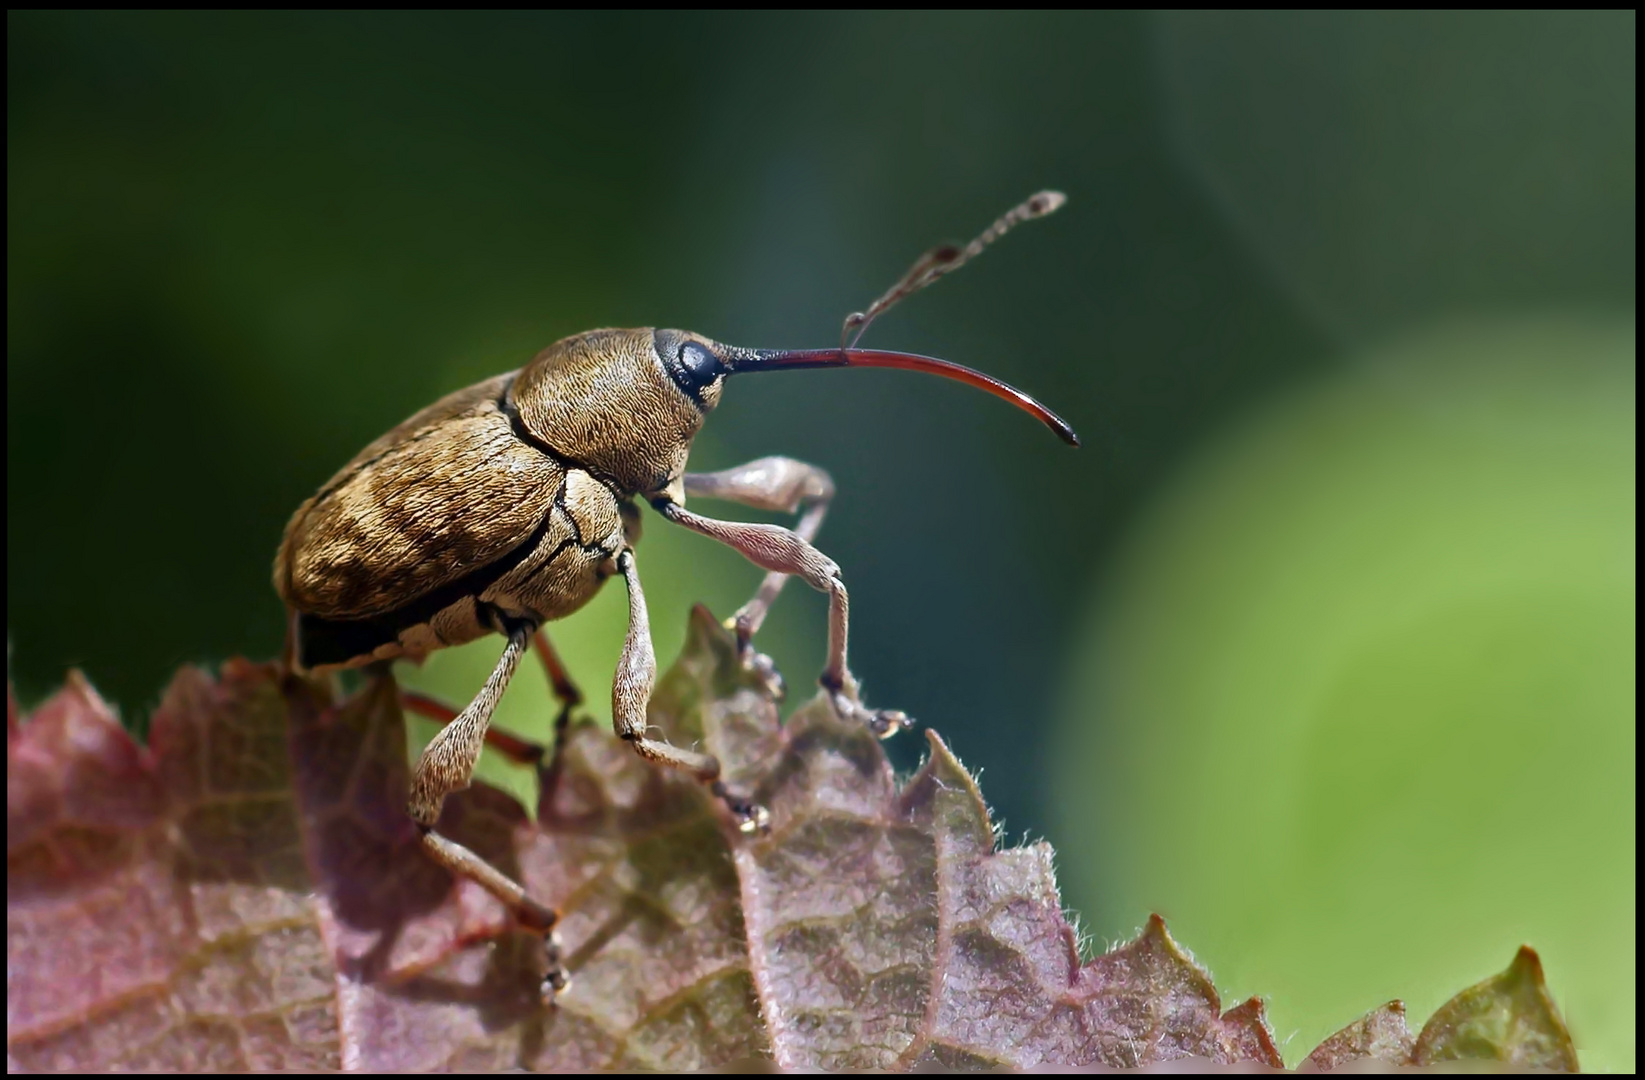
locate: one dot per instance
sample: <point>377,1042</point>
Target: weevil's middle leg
<point>446,766</point>
<point>631,692</point>
<point>775,548</point>
<point>447,762</point>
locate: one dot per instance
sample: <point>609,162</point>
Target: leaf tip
<point>702,619</point>
<point>1249,1035</point>
<point>1526,967</point>
<point>944,788</point>
<point>1156,932</point>
<point>78,688</point>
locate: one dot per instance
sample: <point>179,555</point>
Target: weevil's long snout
<point>740,360</point>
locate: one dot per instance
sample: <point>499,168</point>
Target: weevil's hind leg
<point>781,550</point>
<point>631,692</point>
<point>288,650</point>
<point>569,697</point>
<point>559,680</point>
<point>784,485</point>
<point>446,766</point>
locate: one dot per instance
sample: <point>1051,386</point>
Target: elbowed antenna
<point>740,360</point>
<point>927,269</point>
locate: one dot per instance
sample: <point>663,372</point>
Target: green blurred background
<point>1322,646</point>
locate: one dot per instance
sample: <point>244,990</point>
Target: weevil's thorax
<point>614,402</point>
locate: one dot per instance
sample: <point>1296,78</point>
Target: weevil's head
<point>627,403</point>
<point>624,403</point>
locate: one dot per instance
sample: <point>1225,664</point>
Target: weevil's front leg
<point>774,548</point>
<point>447,765</point>
<point>781,484</point>
<point>631,693</point>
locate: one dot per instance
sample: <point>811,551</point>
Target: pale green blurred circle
<point>1355,709</point>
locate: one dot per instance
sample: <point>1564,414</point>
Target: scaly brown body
<point>470,514</point>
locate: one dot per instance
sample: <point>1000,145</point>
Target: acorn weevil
<point>507,505</point>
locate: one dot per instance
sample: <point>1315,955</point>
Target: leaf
<point>1379,1035</point>
<point>1508,1018</point>
<point>246,892</point>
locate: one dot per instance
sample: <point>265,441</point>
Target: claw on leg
<point>757,662</point>
<point>766,668</point>
<point>752,818</point>
<point>555,980</point>
<point>884,723</point>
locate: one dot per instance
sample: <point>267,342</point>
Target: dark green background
<point>241,246</point>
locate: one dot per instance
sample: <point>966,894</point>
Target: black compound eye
<point>694,369</point>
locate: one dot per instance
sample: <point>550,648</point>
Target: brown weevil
<point>507,505</point>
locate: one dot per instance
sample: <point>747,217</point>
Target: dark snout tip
<point>1059,427</point>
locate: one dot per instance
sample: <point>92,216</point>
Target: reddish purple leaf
<point>247,892</point>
